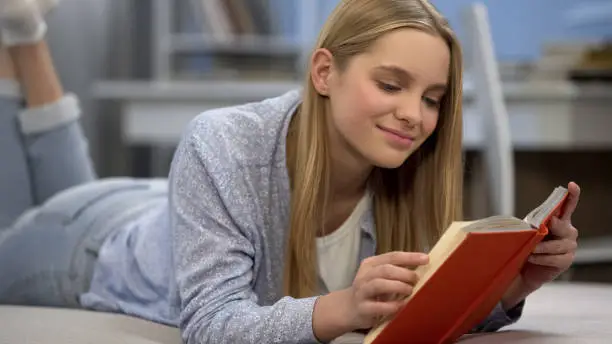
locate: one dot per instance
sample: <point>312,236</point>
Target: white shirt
<point>338,252</point>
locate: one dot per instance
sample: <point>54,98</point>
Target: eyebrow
<point>407,76</point>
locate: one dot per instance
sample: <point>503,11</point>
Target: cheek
<point>355,110</point>
<point>430,122</point>
<point>366,98</point>
<point>364,101</point>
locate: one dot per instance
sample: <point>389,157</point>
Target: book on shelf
<point>236,40</point>
<point>228,20</point>
<point>470,268</point>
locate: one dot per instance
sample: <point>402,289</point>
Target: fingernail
<point>532,259</point>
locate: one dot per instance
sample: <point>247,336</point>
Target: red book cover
<point>477,262</point>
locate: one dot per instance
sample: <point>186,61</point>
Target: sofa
<point>559,313</point>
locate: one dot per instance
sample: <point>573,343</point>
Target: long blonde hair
<point>414,203</point>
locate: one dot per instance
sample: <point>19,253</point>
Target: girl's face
<point>386,102</point>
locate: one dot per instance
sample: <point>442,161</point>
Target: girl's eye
<point>432,103</point>
<point>389,88</point>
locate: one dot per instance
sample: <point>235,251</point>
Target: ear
<point>321,70</point>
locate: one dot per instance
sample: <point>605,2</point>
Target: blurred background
<point>144,68</point>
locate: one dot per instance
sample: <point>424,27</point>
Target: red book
<point>470,268</point>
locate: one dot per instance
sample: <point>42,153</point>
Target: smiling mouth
<point>398,134</point>
<point>397,139</point>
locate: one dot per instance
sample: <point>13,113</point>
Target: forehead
<point>425,56</point>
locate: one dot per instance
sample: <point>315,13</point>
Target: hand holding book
<point>551,257</point>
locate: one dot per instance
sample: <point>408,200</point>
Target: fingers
<point>392,272</point>
<point>572,201</point>
<point>405,259</point>
<point>556,247</point>
<point>563,229</point>
<point>383,282</point>
<point>382,288</point>
<point>559,261</point>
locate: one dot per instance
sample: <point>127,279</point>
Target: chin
<point>389,161</point>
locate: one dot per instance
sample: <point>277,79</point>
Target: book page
<point>539,214</point>
<point>497,223</point>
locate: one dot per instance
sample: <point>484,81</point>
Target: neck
<point>349,172</point>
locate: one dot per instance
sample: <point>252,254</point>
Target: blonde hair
<point>414,203</point>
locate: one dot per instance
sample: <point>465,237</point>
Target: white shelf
<point>555,117</point>
<point>240,89</point>
<point>217,91</point>
<point>594,251</point>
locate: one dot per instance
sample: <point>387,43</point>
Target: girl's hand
<point>379,290</point>
<point>381,286</point>
<point>551,257</point>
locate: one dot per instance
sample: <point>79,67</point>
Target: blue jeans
<point>50,202</point>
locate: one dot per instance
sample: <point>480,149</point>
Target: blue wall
<point>519,27</point>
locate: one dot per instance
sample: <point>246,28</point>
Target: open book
<point>469,270</point>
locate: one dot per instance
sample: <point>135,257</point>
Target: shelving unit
<point>240,45</point>
<point>168,43</point>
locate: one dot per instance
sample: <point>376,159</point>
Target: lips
<point>397,139</point>
<point>397,133</point>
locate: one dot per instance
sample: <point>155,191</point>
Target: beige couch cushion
<point>29,325</point>
<point>558,313</point>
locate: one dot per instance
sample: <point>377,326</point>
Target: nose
<point>409,110</point>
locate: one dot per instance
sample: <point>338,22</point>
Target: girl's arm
<point>214,257</point>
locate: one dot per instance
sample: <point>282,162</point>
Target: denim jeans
<point>51,204</point>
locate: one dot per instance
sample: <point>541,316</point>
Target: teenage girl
<point>288,220</point>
